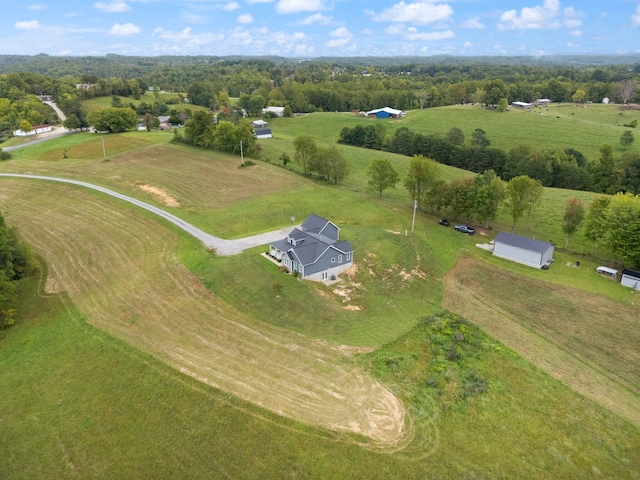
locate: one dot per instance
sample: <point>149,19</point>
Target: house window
<point>348,256</point>
<point>333,260</point>
<point>339,258</point>
<point>295,265</point>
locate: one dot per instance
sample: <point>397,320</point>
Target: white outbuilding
<point>630,278</point>
<point>524,250</point>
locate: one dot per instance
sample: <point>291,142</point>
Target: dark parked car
<point>444,222</point>
<point>465,229</point>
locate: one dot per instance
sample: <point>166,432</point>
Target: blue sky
<point>312,28</point>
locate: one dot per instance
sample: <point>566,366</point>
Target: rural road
<point>220,245</point>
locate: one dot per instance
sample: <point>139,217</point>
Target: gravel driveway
<point>220,245</point>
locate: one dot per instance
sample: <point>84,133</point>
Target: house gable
<point>313,250</point>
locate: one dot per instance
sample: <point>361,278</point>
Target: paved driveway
<point>220,245</point>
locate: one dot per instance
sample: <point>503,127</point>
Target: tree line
<point>16,263</point>
<point>319,85</point>
<point>611,222</point>
<point>566,168</point>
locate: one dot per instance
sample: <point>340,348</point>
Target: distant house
<point>314,250</point>
<point>630,278</point>
<point>542,102</point>
<point>277,111</point>
<point>386,112</point>
<point>524,105</point>
<point>259,123</point>
<point>524,250</point>
<point>45,98</point>
<point>84,86</point>
<point>263,133</point>
<point>35,130</point>
<point>141,126</point>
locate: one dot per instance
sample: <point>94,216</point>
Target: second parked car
<point>465,229</point>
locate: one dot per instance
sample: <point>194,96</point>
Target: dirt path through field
<point>559,352</point>
<point>120,270</point>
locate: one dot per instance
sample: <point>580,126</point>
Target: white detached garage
<point>524,250</point>
<point>630,278</point>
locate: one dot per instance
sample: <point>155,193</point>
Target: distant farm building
<point>263,132</point>
<point>630,278</point>
<point>277,111</point>
<point>524,250</point>
<point>605,100</point>
<point>542,102</point>
<point>386,112</point>
<point>35,130</point>
<point>259,124</point>
<point>524,105</point>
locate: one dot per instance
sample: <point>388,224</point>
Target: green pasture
<point>77,402</point>
<point>582,127</point>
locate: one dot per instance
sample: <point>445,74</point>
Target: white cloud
<point>473,23</point>
<point>294,6</point>
<point>187,37</point>
<point>245,18</point>
<point>467,44</point>
<point>430,36</point>
<point>572,45</point>
<point>27,25</point>
<point>544,16</point>
<point>575,33</point>
<point>367,31</point>
<point>340,37</point>
<point>37,7</point>
<point>168,35</point>
<point>394,29</point>
<point>230,7</point>
<point>420,13</point>
<point>126,29</point>
<point>260,1</point>
<point>316,18</point>
<point>635,18</point>
<point>572,23</point>
<point>113,7</point>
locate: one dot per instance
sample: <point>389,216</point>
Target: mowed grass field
<point>222,320</point>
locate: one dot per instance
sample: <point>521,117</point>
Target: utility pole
<point>415,207</point>
<point>241,153</point>
<point>104,152</point>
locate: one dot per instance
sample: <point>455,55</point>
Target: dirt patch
<point>52,287</point>
<point>159,194</point>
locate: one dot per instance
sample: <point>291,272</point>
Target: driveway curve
<point>221,246</point>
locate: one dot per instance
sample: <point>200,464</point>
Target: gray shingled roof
<point>519,241</point>
<point>344,246</point>
<point>314,223</point>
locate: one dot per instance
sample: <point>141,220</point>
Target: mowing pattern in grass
<point>120,270</point>
<point>587,341</point>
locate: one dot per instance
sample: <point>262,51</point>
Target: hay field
<point>587,341</point>
<point>120,270</point>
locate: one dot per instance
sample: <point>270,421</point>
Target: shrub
<point>5,155</point>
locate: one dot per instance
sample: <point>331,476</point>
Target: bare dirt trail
<point>120,270</point>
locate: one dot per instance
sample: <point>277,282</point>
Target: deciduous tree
<point>382,175</point>
<point>305,151</point>
<point>573,216</point>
